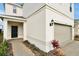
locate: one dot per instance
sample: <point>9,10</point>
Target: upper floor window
<point>14,9</point>
<point>2,8</point>
<point>70,7</point>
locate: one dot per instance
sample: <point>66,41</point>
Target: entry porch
<point>14,27</point>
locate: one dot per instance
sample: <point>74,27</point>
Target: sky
<point>1,8</point>
<point>1,11</point>
<point>76,10</point>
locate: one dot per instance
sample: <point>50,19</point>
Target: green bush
<point>4,48</point>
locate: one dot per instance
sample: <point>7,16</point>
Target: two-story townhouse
<point>49,21</point>
<point>14,24</point>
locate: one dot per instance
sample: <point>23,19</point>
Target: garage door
<point>62,33</point>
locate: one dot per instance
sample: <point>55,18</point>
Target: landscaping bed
<point>34,49</point>
<point>6,49</point>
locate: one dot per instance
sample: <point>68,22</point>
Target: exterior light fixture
<point>51,23</point>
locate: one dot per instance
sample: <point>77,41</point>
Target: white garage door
<point>62,33</point>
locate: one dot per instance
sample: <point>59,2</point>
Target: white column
<point>5,24</point>
<point>25,30</point>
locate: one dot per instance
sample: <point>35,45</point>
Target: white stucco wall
<point>9,10</point>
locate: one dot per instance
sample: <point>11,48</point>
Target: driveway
<point>72,49</point>
<point>19,49</point>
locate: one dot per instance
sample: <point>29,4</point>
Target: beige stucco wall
<point>63,8</point>
<point>9,10</point>
<point>30,8</point>
<point>36,29</point>
<point>20,29</point>
<point>39,31</point>
<point>57,18</point>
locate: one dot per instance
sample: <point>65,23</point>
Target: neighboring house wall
<point>76,25</point>
<point>1,24</point>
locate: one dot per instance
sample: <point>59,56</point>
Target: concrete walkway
<point>72,49</point>
<point>19,49</point>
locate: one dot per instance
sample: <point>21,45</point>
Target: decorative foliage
<point>55,43</point>
<point>4,48</point>
<point>58,51</point>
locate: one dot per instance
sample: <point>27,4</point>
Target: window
<point>2,8</point>
<point>70,7</point>
<point>14,9</point>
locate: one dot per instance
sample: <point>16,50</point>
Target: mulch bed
<point>10,52</point>
<point>56,52</point>
<point>34,49</point>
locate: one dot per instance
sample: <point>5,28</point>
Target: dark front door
<point>14,31</point>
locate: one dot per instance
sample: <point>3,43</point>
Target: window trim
<point>70,7</point>
<point>14,9</point>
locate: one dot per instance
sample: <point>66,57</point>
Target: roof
<point>17,4</point>
<point>13,16</point>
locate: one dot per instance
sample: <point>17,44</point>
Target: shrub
<point>3,48</point>
<point>55,43</point>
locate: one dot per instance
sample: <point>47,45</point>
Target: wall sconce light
<point>51,24</point>
<point>51,20</point>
